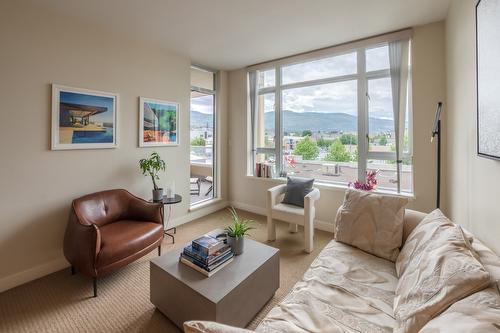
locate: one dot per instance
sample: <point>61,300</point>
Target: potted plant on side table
<point>236,232</point>
<point>151,167</point>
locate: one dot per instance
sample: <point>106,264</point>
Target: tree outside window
<point>307,148</point>
<point>337,152</point>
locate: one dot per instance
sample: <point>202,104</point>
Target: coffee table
<point>233,295</point>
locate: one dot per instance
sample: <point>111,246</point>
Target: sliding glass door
<point>203,157</point>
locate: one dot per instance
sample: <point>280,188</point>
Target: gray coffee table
<point>233,295</point>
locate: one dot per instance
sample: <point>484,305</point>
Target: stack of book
<point>264,170</point>
<point>207,255</point>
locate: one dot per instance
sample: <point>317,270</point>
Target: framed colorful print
<point>488,73</point>
<point>83,119</point>
<point>159,123</point>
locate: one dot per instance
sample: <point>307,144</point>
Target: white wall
<point>472,182</point>
<point>38,48</point>
<point>428,89</point>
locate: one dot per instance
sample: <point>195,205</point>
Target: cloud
<point>344,64</point>
<point>332,97</point>
<point>203,104</point>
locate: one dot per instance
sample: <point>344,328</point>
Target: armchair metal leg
<point>159,250</point>
<point>73,271</point>
<point>95,287</point>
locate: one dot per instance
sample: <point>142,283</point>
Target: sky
<point>203,104</point>
<point>334,97</point>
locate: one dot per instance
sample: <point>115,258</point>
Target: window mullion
<point>362,115</point>
<point>264,91</point>
<point>334,79</point>
<point>278,128</point>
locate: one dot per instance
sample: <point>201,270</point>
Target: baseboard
<point>318,224</point>
<point>33,273</point>
<point>249,208</point>
<point>323,225</point>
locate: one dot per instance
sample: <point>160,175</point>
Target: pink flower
<point>371,182</point>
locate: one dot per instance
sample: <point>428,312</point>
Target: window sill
<point>203,204</point>
<point>332,187</point>
<point>201,164</point>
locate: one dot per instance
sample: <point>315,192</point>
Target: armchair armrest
<point>314,195</point>
<point>82,243</point>
<point>273,193</point>
<point>142,210</point>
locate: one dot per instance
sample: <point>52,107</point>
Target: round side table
<point>169,202</point>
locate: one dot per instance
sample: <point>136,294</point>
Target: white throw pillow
<point>371,222</point>
<point>440,269</point>
<point>421,235</point>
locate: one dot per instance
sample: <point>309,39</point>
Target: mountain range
<point>315,121</point>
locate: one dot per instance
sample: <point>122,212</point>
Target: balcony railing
<point>201,154</point>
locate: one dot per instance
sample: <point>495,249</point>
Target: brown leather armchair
<point>110,229</point>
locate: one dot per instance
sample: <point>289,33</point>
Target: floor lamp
<point>436,131</point>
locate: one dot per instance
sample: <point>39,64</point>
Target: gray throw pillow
<point>296,189</point>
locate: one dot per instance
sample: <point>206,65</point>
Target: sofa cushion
<point>371,222</point>
<point>296,189</point>
<point>421,235</point>
<point>125,238</point>
<point>479,312</point>
<point>440,271</point>
<point>344,290</point>
<point>489,259</point>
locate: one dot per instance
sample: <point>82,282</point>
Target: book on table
<point>207,254</point>
<point>201,270</point>
<point>201,257</point>
<point>212,265</point>
<point>207,244</point>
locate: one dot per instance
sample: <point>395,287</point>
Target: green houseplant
<point>236,231</point>
<point>151,167</point>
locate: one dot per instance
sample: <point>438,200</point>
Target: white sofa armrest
<point>198,326</point>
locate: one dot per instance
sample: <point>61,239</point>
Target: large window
<point>332,118</point>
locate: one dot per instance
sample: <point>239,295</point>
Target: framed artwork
<point>488,74</point>
<point>159,123</point>
<point>83,119</point>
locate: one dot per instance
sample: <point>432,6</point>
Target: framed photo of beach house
<point>158,123</point>
<point>83,119</point>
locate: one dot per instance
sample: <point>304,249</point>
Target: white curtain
<point>399,63</point>
<point>252,96</point>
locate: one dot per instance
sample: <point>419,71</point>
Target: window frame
<point>362,78</point>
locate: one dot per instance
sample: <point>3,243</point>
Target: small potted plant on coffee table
<point>151,167</point>
<point>236,231</point>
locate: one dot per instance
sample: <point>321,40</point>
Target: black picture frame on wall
<point>488,79</point>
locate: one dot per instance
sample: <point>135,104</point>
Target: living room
<point>172,112</point>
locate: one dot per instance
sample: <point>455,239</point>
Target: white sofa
<point>348,290</point>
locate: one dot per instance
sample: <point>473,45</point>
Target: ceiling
<point>230,34</point>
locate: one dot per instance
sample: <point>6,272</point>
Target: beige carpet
<point>62,303</point>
